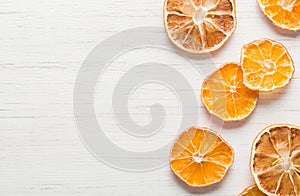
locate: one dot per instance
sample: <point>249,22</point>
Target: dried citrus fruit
<point>199,26</point>
<point>252,191</point>
<point>266,65</point>
<point>283,13</point>
<point>275,160</point>
<point>225,95</point>
<point>200,157</point>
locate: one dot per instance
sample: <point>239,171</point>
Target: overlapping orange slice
<point>199,26</point>
<point>266,65</point>
<point>225,95</point>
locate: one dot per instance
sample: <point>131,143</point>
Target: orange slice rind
<point>199,26</point>
<point>225,95</point>
<point>199,157</point>
<point>252,191</point>
<point>266,65</point>
<point>275,160</point>
<point>284,14</point>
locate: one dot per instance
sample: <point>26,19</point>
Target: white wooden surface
<point>42,46</point>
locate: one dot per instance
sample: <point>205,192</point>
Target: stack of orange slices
<point>231,92</point>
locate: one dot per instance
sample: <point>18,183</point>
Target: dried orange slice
<point>283,13</point>
<point>225,95</point>
<point>199,26</point>
<point>266,65</point>
<point>275,160</point>
<point>252,191</point>
<point>200,157</point>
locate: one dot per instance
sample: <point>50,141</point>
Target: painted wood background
<point>43,44</point>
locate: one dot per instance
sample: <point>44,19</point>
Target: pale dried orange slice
<point>199,26</point>
<point>266,64</point>
<point>252,191</point>
<point>283,13</point>
<point>225,95</point>
<point>275,160</point>
<point>200,157</point>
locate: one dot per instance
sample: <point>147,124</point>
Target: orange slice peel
<point>252,191</point>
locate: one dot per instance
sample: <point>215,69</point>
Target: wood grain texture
<point>42,46</point>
